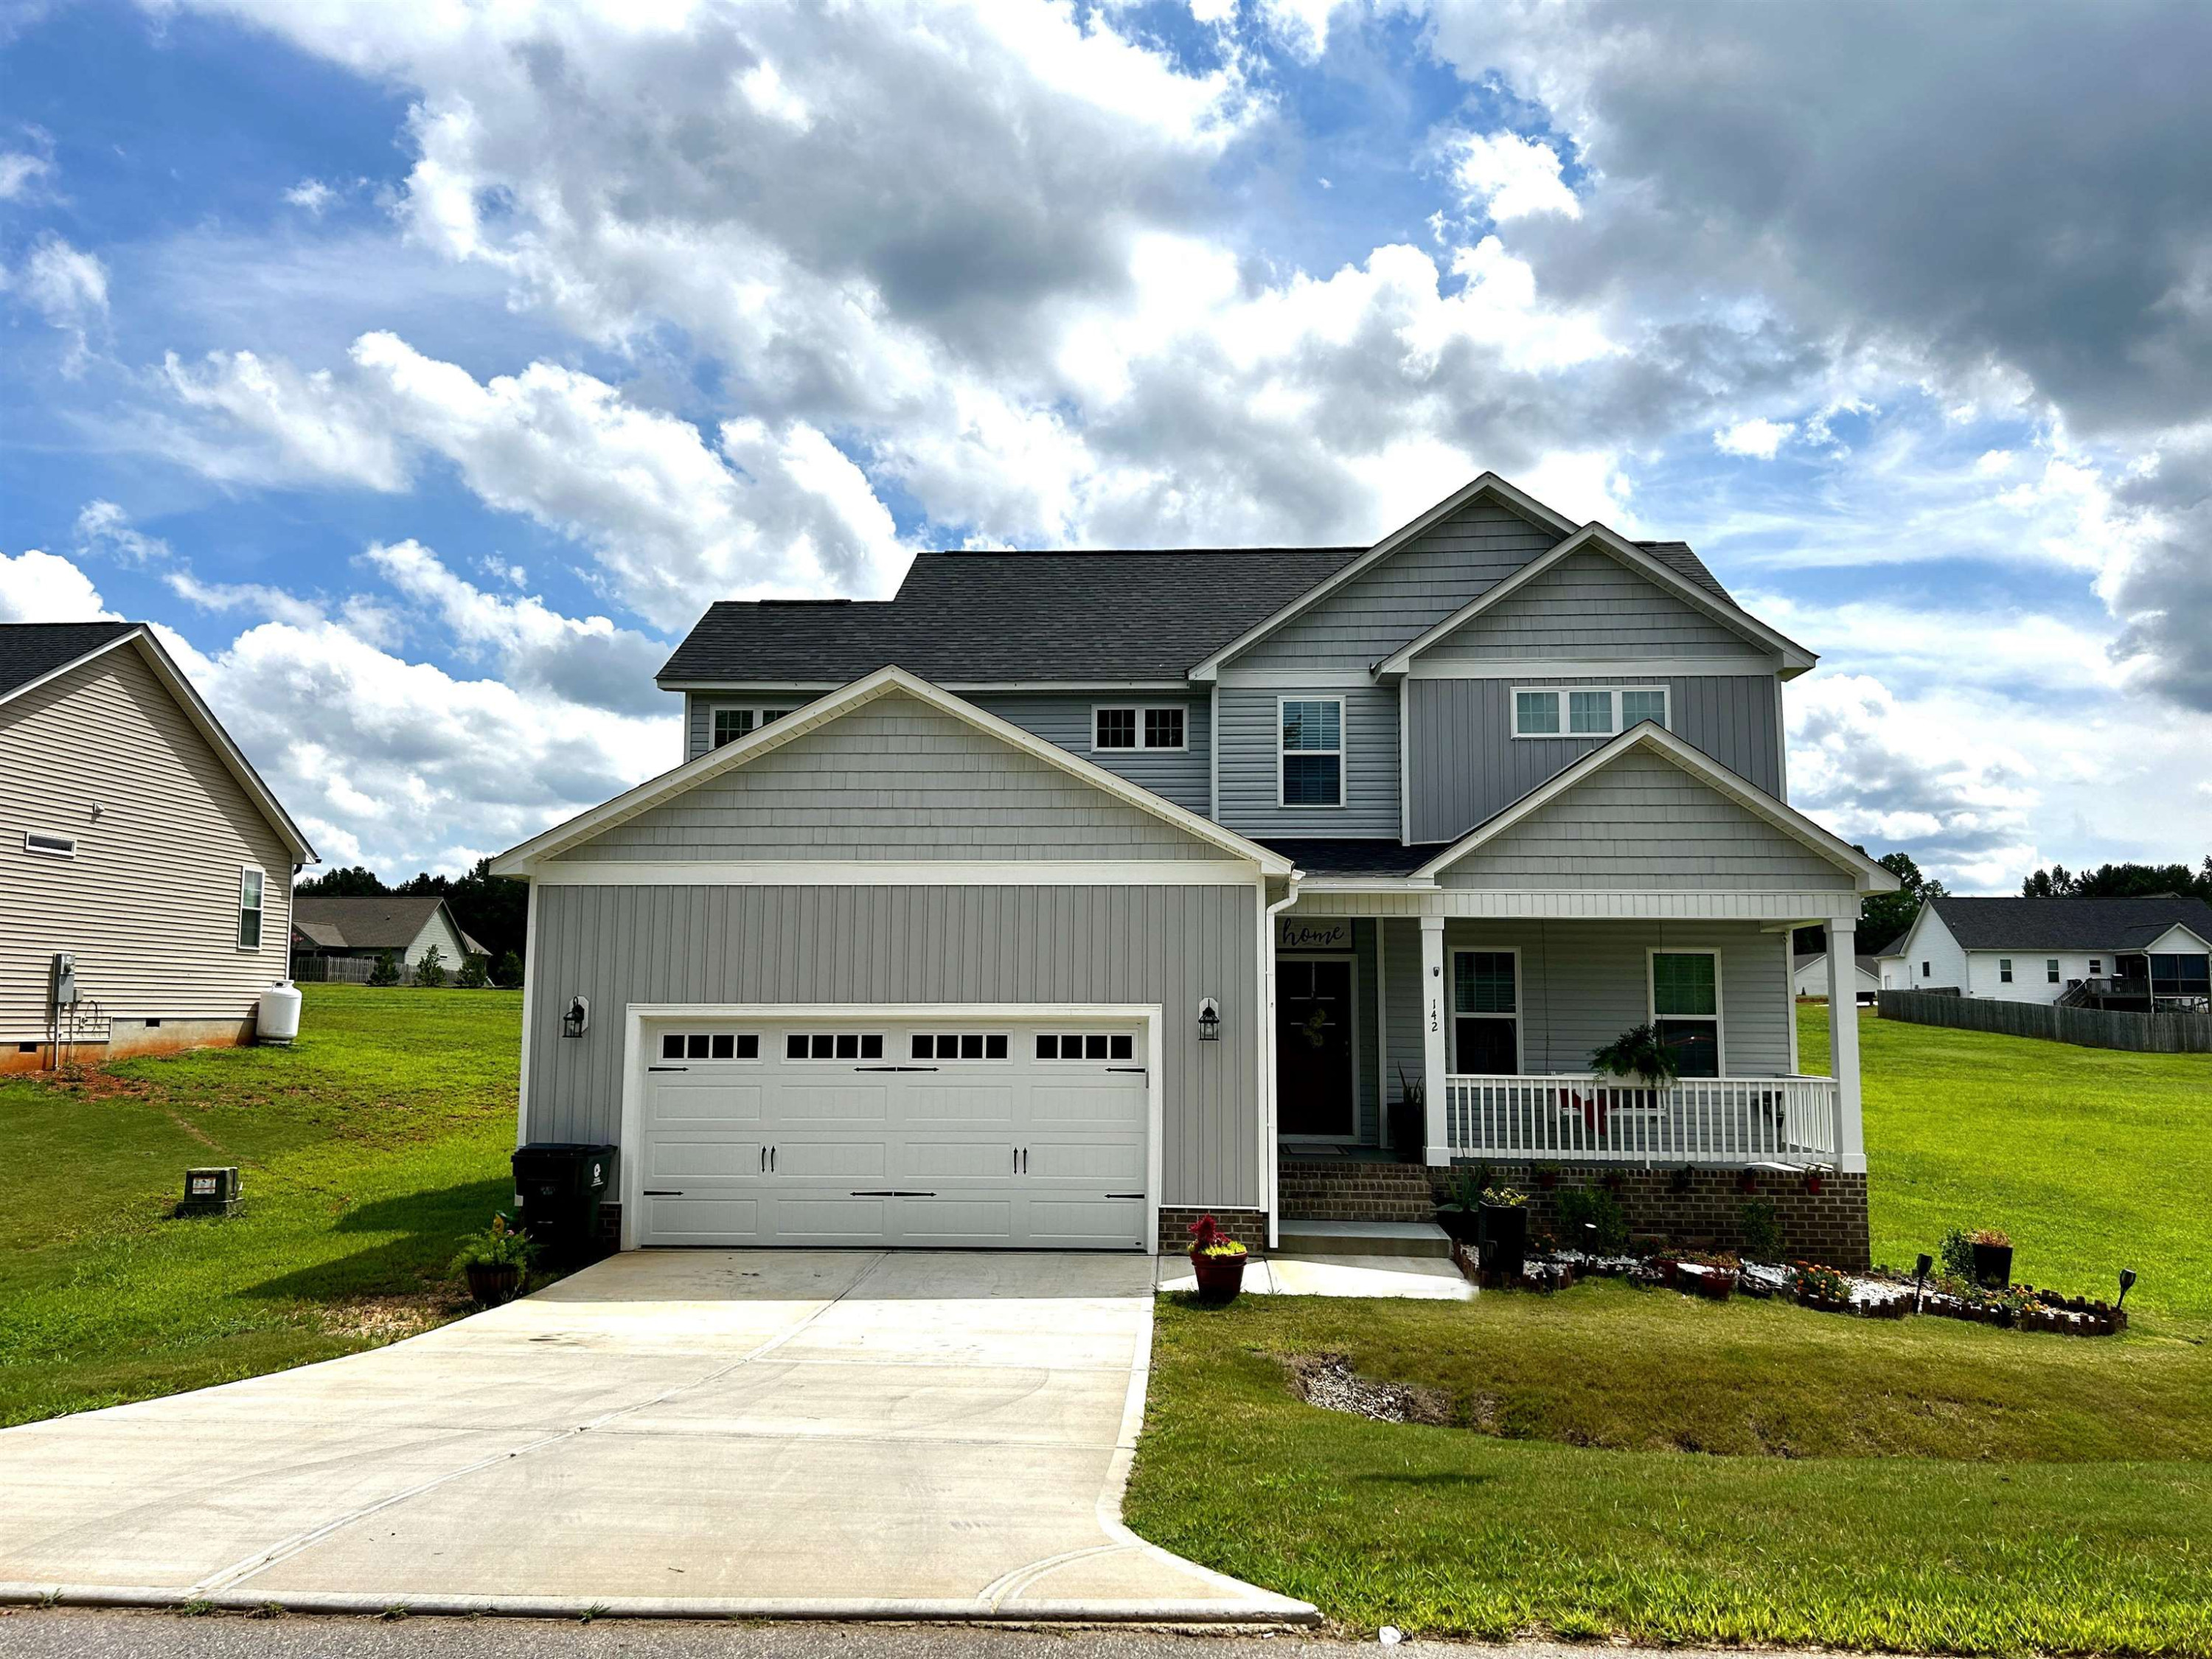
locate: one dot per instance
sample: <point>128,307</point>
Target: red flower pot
<point>1815,1180</point>
<point>1219,1277</point>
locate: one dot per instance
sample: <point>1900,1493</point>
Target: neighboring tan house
<point>1064,897</point>
<point>1810,976</point>
<point>137,842</point>
<point>2123,953</point>
<point>325,930</point>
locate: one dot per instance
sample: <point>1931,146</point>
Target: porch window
<point>1312,755</point>
<point>1485,1013</point>
<point>1686,1006</point>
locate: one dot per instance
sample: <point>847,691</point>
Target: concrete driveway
<point>731,1432</point>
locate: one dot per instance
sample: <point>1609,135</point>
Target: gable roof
<point>1805,959</point>
<point>885,681</point>
<point>31,654</point>
<point>2069,924</point>
<point>374,922</point>
<point>1708,598</point>
<point>1870,877</point>
<point>1065,618</point>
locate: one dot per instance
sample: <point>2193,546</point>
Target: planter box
<point>1504,1238</point>
<point>1992,1266</point>
<point>491,1285</point>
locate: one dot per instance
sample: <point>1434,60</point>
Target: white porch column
<point>1437,1140</point>
<point>1843,1044</point>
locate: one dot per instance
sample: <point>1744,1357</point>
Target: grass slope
<point>367,1150</point>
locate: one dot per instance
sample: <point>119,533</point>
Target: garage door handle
<point>668,1068</point>
<point>1139,1070</point>
<point>895,1068</point>
<point>1125,1194</point>
<point>662,1192</point>
<point>892,1192</point>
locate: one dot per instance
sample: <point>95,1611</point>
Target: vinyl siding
<point>1643,824</point>
<point>895,780</point>
<point>1591,605</point>
<point>1466,763</point>
<point>1397,599</point>
<point>699,708</point>
<point>149,903</point>
<point>1169,946</point>
<point>440,932</point>
<point>1250,738</point>
<point>1184,776</point>
<point>1582,983</point>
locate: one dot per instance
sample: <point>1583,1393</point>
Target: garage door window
<point>834,1045</point>
<point>964,1045</point>
<point>1095,1045</point>
<point>709,1045</point>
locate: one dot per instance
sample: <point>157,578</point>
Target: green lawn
<point>367,1150</point>
<point>1627,1463</point>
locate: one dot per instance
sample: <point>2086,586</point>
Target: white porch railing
<point>1577,1116</point>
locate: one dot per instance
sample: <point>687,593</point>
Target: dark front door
<point>1313,1048</point>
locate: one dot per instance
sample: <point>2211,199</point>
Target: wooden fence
<point>2087,1027</point>
<point>333,971</point>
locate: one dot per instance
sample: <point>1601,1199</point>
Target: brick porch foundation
<point>1248,1227</point>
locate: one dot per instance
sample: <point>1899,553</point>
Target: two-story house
<point>1063,897</point>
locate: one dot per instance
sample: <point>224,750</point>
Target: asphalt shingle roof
<point>29,651</point>
<point>1323,857</point>
<point>1072,617</point>
<point>2069,924</point>
<point>364,924</point>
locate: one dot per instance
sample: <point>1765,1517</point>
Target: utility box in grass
<point>559,1186</point>
<point>210,1192</point>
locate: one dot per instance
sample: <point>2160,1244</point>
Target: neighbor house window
<point>1686,1006</point>
<point>249,908</point>
<point>1925,970</point>
<point>2004,970</point>
<point>1137,728</point>
<point>1485,1013</point>
<point>732,723</point>
<point>2096,966</point>
<point>1595,711</point>
<point>2051,970</point>
<point>1312,755</point>
<point>2180,974</point>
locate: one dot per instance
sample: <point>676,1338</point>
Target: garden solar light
<point>2127,1284</point>
<point>1921,1269</point>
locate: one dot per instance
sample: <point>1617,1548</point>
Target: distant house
<point>2113,953</point>
<point>363,929</point>
<point>145,868</point>
<point>1809,974</point>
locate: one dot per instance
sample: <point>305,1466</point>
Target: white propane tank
<point>277,1018</point>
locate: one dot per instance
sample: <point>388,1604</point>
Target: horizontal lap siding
<point>1467,764</point>
<point>1643,824</point>
<point>1183,776</point>
<point>1138,945</point>
<point>895,780</point>
<point>1250,738</point>
<point>149,903</point>
<point>1591,605</point>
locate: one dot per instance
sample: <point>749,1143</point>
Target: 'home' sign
<point>1321,933</point>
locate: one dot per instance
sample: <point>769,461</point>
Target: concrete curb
<point>1273,1610</point>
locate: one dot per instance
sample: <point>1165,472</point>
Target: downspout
<point>1271,1151</point>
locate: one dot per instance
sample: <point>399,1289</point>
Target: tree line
<point>1885,917</point>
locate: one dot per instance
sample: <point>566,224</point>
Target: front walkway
<point>743,1432</point>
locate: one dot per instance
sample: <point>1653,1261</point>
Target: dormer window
<point>1586,711</point>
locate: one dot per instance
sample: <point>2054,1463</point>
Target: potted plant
<point>1461,1214</point>
<point>494,1262</point>
<point>1505,1242</point>
<point>1218,1260</point>
<point>1638,1053</point>
<point>1992,1257</point>
<point>1815,1178</point>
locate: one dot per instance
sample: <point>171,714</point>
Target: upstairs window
<point>1133,727</point>
<point>249,908</point>
<point>1587,711</point>
<point>733,722</point>
<point>1312,755</point>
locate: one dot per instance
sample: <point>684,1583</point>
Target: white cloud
<point>306,427</point>
<point>1759,437</point>
<point>312,197</point>
<point>37,587</point>
<point>19,171</point>
<point>1507,176</point>
<point>104,530</point>
<point>69,288</point>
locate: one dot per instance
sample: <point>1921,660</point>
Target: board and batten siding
<point>894,780</point>
<point>1465,763</point>
<point>149,903</point>
<point>1643,824</point>
<point>1251,739</point>
<point>1122,945</point>
<point>1591,605</point>
<point>1401,597</point>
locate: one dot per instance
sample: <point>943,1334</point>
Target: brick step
<point>1355,1190</point>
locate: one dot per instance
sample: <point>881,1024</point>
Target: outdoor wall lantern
<point>1209,1020</point>
<point>578,1018</point>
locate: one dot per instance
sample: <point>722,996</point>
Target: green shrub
<point>506,972</point>
<point>1592,1218</point>
<point>1956,1252</point>
<point>472,977</point>
<point>387,972</point>
<point>498,1246</point>
<point>1760,1228</point>
<point>431,970</point>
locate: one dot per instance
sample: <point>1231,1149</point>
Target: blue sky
<point>423,369</point>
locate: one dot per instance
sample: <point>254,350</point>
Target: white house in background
<point>2111,953</point>
<point>328,928</point>
<point>145,869</point>
<point>1810,976</point>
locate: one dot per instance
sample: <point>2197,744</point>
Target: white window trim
<point>31,837</point>
<point>1451,1002</point>
<point>1563,693</point>
<point>1352,1021</point>
<point>762,713</point>
<point>2004,970</point>
<point>1719,1016</point>
<point>260,910</point>
<point>1343,752</point>
<point>1141,747</point>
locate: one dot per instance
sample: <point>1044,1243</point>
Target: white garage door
<point>1029,1133</point>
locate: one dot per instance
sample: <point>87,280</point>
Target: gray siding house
<point>1064,897</point>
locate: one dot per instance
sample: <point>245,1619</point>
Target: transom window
<point>1485,1013</point>
<point>1686,1006</point>
<point>1129,727</point>
<point>834,1045</point>
<point>1088,1045</point>
<point>249,908</point>
<point>1588,711</point>
<point>960,1045</point>
<point>709,1045</point>
<point>735,721</point>
<point>1312,754</point>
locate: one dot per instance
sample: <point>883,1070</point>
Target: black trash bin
<point>559,1186</point>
